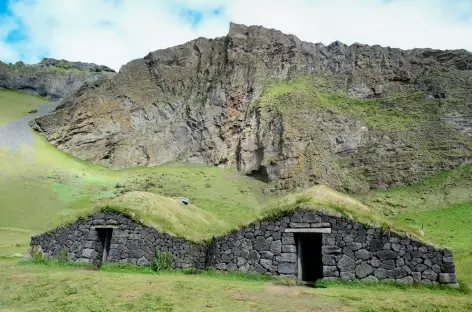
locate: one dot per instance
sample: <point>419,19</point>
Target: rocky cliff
<point>50,78</point>
<point>285,111</point>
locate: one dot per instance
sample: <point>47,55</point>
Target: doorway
<point>310,262</point>
<point>104,238</point>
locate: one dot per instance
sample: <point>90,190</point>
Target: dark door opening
<point>310,263</point>
<point>104,237</point>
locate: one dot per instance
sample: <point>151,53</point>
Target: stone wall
<point>351,251</point>
<point>130,243</point>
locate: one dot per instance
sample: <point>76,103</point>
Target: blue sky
<point>113,32</point>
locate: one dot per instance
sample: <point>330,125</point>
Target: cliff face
<point>50,78</point>
<point>290,112</point>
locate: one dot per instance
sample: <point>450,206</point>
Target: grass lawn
<point>38,288</point>
<point>14,105</point>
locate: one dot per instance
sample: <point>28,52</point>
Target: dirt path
<point>18,133</point>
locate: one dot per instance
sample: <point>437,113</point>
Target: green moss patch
<point>14,105</point>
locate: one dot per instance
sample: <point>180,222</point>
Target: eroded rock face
<point>50,78</point>
<point>203,102</point>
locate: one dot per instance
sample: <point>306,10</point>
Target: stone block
<point>388,264</point>
<point>430,274</point>
<point>447,278</point>
<point>267,264</point>
<point>397,273</point>
<point>386,255</point>
<point>244,268</point>
<point>287,268</point>
<point>420,267</point>
<point>381,273</point>
<point>330,271</point>
<point>329,239</point>
<point>89,253</point>
<point>76,247</point>
<point>375,262</point>
<point>363,270</point>
<point>299,225</point>
<point>363,254</point>
<point>375,245</point>
<point>276,246</point>
<point>330,250</point>
<point>448,259</point>
<point>416,277</point>
<point>348,252</point>
<point>287,257</point>
<point>236,251</point>
<point>346,264</point>
<point>287,241</point>
<point>143,261</point>
<point>289,248</point>
<point>448,268</point>
<point>267,255</point>
<point>354,246</point>
<point>348,276</point>
<point>329,260</point>
<point>261,244</point>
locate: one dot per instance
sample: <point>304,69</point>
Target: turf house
<point>303,244</point>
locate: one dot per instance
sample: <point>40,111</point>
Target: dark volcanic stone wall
<point>130,243</point>
<point>351,251</point>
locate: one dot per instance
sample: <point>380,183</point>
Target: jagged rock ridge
<point>50,78</point>
<point>280,109</point>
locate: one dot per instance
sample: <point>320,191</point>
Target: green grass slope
<point>14,105</point>
<point>42,187</point>
<point>405,138</point>
<point>441,190</point>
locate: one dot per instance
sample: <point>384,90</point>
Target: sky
<point>113,32</point>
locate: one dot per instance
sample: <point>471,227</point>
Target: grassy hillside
<point>359,144</point>
<point>14,105</point>
<point>445,189</point>
<point>42,186</point>
<point>45,187</point>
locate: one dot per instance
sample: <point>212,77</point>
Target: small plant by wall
<point>162,261</point>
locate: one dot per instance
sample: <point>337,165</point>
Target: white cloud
<point>112,32</point>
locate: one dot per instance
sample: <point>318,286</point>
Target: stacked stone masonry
<point>349,251</point>
<point>130,243</point>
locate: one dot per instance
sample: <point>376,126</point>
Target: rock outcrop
<point>282,110</point>
<point>50,78</point>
